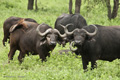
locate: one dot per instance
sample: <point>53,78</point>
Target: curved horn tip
<point>69,24</point>
<point>91,34</point>
<point>71,44</point>
<point>64,35</point>
<point>43,34</point>
<point>62,25</point>
<point>66,30</point>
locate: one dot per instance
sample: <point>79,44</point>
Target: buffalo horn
<point>71,44</point>
<point>64,35</point>
<point>43,34</point>
<point>66,30</point>
<point>91,34</point>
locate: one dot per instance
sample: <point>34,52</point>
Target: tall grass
<point>57,67</point>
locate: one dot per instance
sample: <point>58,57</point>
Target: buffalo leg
<point>4,40</point>
<point>6,36</point>
<point>85,63</point>
<point>93,64</point>
<point>48,54</point>
<point>11,54</point>
<point>42,57</point>
<point>42,53</point>
<point>21,57</point>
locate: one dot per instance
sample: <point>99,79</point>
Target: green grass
<point>57,67</point>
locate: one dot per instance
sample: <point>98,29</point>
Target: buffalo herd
<point>92,42</point>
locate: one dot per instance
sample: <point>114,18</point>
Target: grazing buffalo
<point>9,22</point>
<point>37,39</point>
<point>74,21</point>
<point>97,43</point>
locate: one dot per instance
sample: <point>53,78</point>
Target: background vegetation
<point>57,67</point>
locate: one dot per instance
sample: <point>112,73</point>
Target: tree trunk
<point>109,8</point>
<point>115,9</point>
<point>36,7</point>
<point>70,6</point>
<point>112,14</point>
<point>30,4</point>
<point>77,6</point>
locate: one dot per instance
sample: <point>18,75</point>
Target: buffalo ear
<point>42,42</point>
<point>12,28</point>
<point>90,38</point>
<point>43,38</point>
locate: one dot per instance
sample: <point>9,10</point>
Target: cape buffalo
<point>37,39</point>
<point>9,22</point>
<point>97,43</point>
<point>76,21</point>
<point>16,31</point>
